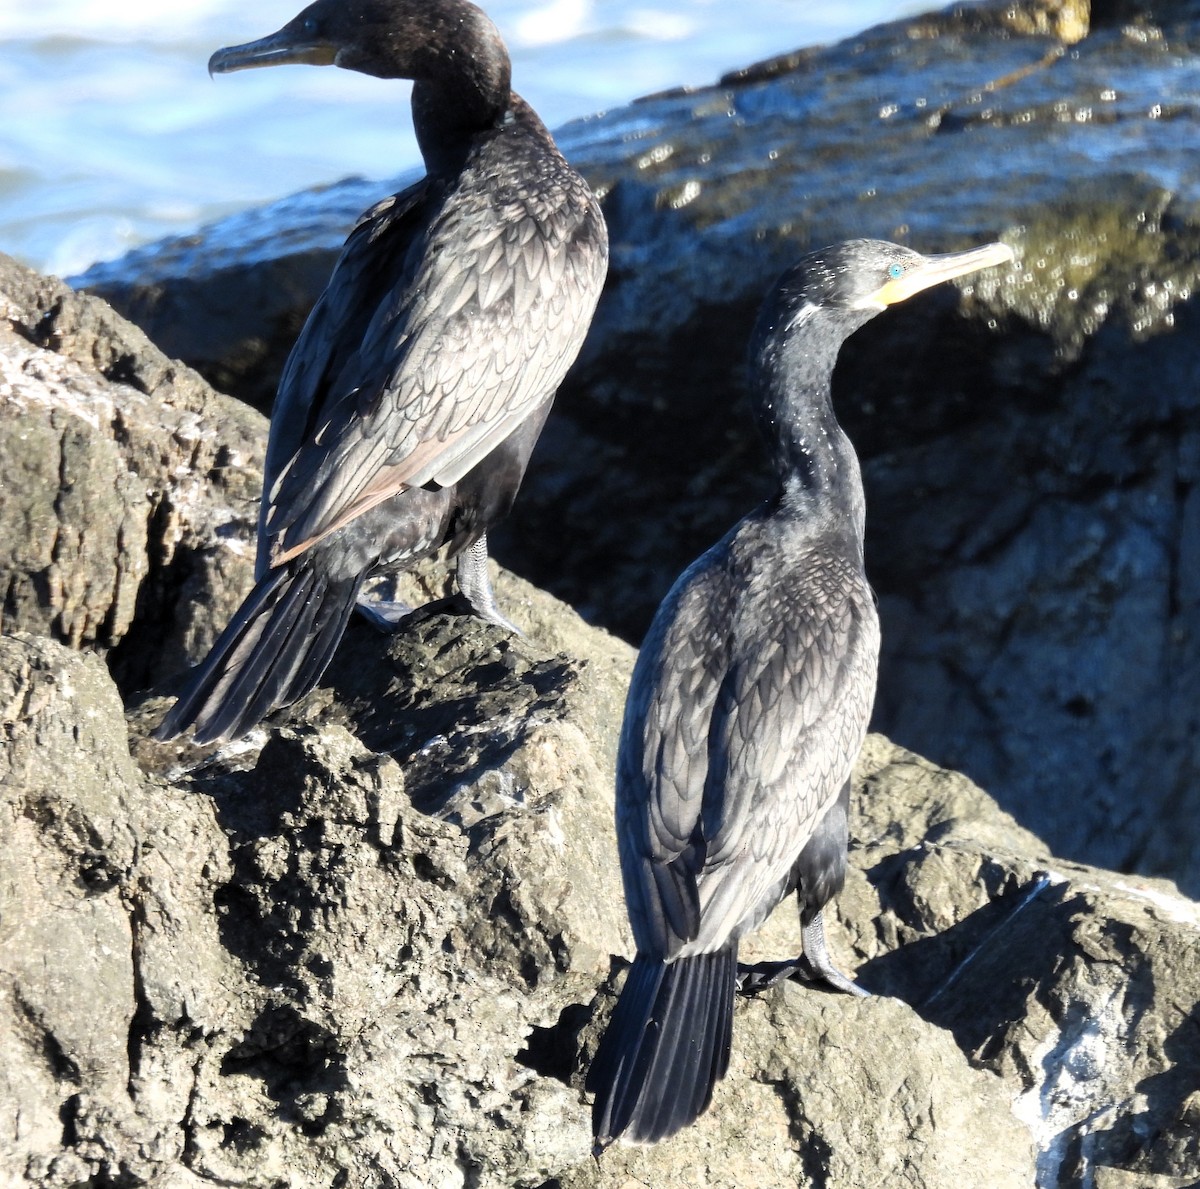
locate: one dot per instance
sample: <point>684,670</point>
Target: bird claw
<point>492,615</point>
<point>753,978</point>
<point>383,615</point>
<point>758,976</point>
<point>819,964</point>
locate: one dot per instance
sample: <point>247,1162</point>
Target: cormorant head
<point>816,305</point>
<point>864,276</point>
<point>431,40</point>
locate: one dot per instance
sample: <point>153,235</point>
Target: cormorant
<point>747,708</point>
<point>410,404</point>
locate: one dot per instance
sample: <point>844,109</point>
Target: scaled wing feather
<point>456,356</point>
<point>726,769</point>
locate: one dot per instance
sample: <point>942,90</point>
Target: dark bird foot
<point>389,617</point>
<point>758,976</point>
<point>813,966</point>
<point>753,977</point>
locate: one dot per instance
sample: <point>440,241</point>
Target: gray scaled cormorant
<point>409,406</point>
<point>747,708</point>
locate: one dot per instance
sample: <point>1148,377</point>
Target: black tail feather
<point>666,1047</point>
<point>327,631</point>
<point>256,659</point>
<point>261,685</point>
<point>274,651</point>
<point>718,1023</point>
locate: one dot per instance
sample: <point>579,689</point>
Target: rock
<point>1029,440</point>
<point>66,945</point>
<point>290,960</point>
<point>1062,980</point>
<point>376,943</point>
<point>130,488</point>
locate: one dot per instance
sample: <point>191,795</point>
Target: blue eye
<point>895,270</point>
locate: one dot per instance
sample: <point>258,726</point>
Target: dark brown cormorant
<point>410,404</point>
<point>747,708</point>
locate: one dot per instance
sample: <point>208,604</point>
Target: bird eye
<point>895,270</point>
<point>310,26</point>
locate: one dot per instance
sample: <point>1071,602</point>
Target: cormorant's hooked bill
<point>747,708</point>
<point>291,45</point>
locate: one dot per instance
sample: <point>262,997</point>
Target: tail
<point>274,651</point>
<point>666,1047</point>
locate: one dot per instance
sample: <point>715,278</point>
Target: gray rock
<point>1062,980</point>
<point>130,487</point>
<point>374,944</point>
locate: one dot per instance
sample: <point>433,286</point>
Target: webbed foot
<point>813,966</point>
<point>384,615</point>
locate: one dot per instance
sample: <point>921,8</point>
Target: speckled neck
<point>792,403</point>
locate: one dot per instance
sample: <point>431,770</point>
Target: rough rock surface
<point>128,487</point>
<point>375,944</point>
<point>1030,440</point>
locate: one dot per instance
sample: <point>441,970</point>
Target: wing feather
<point>465,313</point>
<point>746,713</point>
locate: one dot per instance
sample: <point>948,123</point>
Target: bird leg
<point>476,586</point>
<point>473,582</point>
<point>813,966</point>
<point>816,954</point>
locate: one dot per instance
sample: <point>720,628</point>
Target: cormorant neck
<point>793,406</point>
<point>461,90</point>
<point>448,121</point>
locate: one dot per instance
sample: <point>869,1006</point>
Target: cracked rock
<point>129,487</point>
<point>295,960</point>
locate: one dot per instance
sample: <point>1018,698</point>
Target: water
<point>114,135</point>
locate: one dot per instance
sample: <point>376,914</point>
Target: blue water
<point>113,134</point>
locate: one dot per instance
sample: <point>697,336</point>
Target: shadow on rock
<point>1140,1140</point>
<point>447,696</point>
<point>300,1065</point>
<point>974,978</point>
